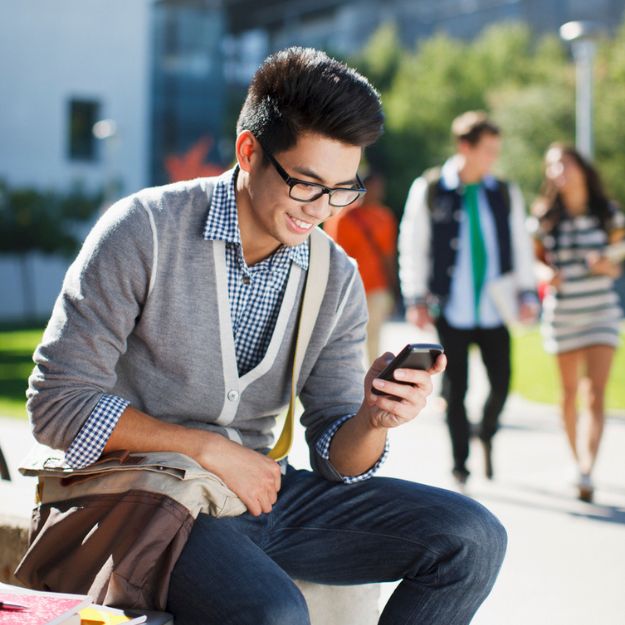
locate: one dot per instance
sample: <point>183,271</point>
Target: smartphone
<point>413,356</point>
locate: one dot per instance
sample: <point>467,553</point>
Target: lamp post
<point>582,36</point>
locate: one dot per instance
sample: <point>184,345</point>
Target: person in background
<point>575,222</point>
<point>463,230</point>
<point>368,233</point>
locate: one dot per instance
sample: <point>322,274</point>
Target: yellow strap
<point>314,290</point>
<point>283,444</point>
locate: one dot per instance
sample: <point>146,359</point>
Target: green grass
<point>535,374</point>
<point>16,351</point>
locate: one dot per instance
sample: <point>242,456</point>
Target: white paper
<point>503,291</point>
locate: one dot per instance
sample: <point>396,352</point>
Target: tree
<point>380,58</point>
<point>532,118</point>
<point>41,221</point>
<point>608,113</point>
<point>527,84</point>
<point>534,112</point>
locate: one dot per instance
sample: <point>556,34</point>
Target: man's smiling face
<point>271,217</point>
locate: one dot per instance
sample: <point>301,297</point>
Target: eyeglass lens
<point>308,193</point>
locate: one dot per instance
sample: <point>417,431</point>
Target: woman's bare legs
<point>585,445</point>
<point>598,363</point>
<point>569,369</point>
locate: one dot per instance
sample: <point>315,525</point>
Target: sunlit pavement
<point>566,559</point>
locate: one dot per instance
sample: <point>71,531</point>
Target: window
<point>83,114</point>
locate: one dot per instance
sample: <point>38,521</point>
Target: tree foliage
<point>41,221</point>
<point>32,220</point>
<point>608,113</point>
<point>526,83</point>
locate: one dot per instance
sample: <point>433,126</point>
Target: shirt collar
<point>451,178</point>
<point>222,223</point>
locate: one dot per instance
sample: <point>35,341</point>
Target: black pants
<point>494,345</point>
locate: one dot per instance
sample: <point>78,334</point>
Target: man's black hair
<point>300,90</point>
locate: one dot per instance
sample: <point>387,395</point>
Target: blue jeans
<point>445,547</point>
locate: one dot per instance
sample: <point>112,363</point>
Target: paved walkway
<point>566,559</point>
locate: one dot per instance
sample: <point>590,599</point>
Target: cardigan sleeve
<point>335,386</point>
<point>100,300</point>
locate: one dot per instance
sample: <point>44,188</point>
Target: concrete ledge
<point>13,543</point>
<point>341,605</point>
<point>328,605</point>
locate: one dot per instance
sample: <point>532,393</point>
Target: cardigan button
<point>453,243</point>
<point>458,215</point>
<point>233,395</point>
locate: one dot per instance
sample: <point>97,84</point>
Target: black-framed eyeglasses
<point>304,191</point>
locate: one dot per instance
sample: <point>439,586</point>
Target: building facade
<point>103,93</point>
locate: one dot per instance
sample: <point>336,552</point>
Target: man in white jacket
<point>466,265</point>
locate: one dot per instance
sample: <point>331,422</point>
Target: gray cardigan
<point>143,313</point>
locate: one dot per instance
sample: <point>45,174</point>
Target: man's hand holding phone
<point>397,391</point>
<point>359,443</point>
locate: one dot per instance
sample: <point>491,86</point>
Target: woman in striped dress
<point>581,311</point>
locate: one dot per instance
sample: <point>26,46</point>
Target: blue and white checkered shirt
<point>255,294</point>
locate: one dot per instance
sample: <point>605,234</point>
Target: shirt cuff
<point>89,443</point>
<point>529,296</point>
<point>415,300</point>
<point>323,449</point>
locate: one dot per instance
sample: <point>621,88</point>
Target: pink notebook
<point>43,608</point>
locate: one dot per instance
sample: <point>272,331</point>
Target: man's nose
<point>319,208</point>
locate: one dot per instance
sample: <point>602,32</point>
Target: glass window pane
<point>83,114</point>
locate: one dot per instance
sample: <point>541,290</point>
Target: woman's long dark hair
<point>549,208</point>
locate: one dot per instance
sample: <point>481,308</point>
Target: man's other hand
<point>254,477</point>
<point>419,316</point>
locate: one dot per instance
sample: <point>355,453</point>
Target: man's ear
<point>463,147</point>
<point>248,150</point>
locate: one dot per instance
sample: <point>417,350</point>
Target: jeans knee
<point>484,541</point>
<point>471,545</point>
<point>286,607</point>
